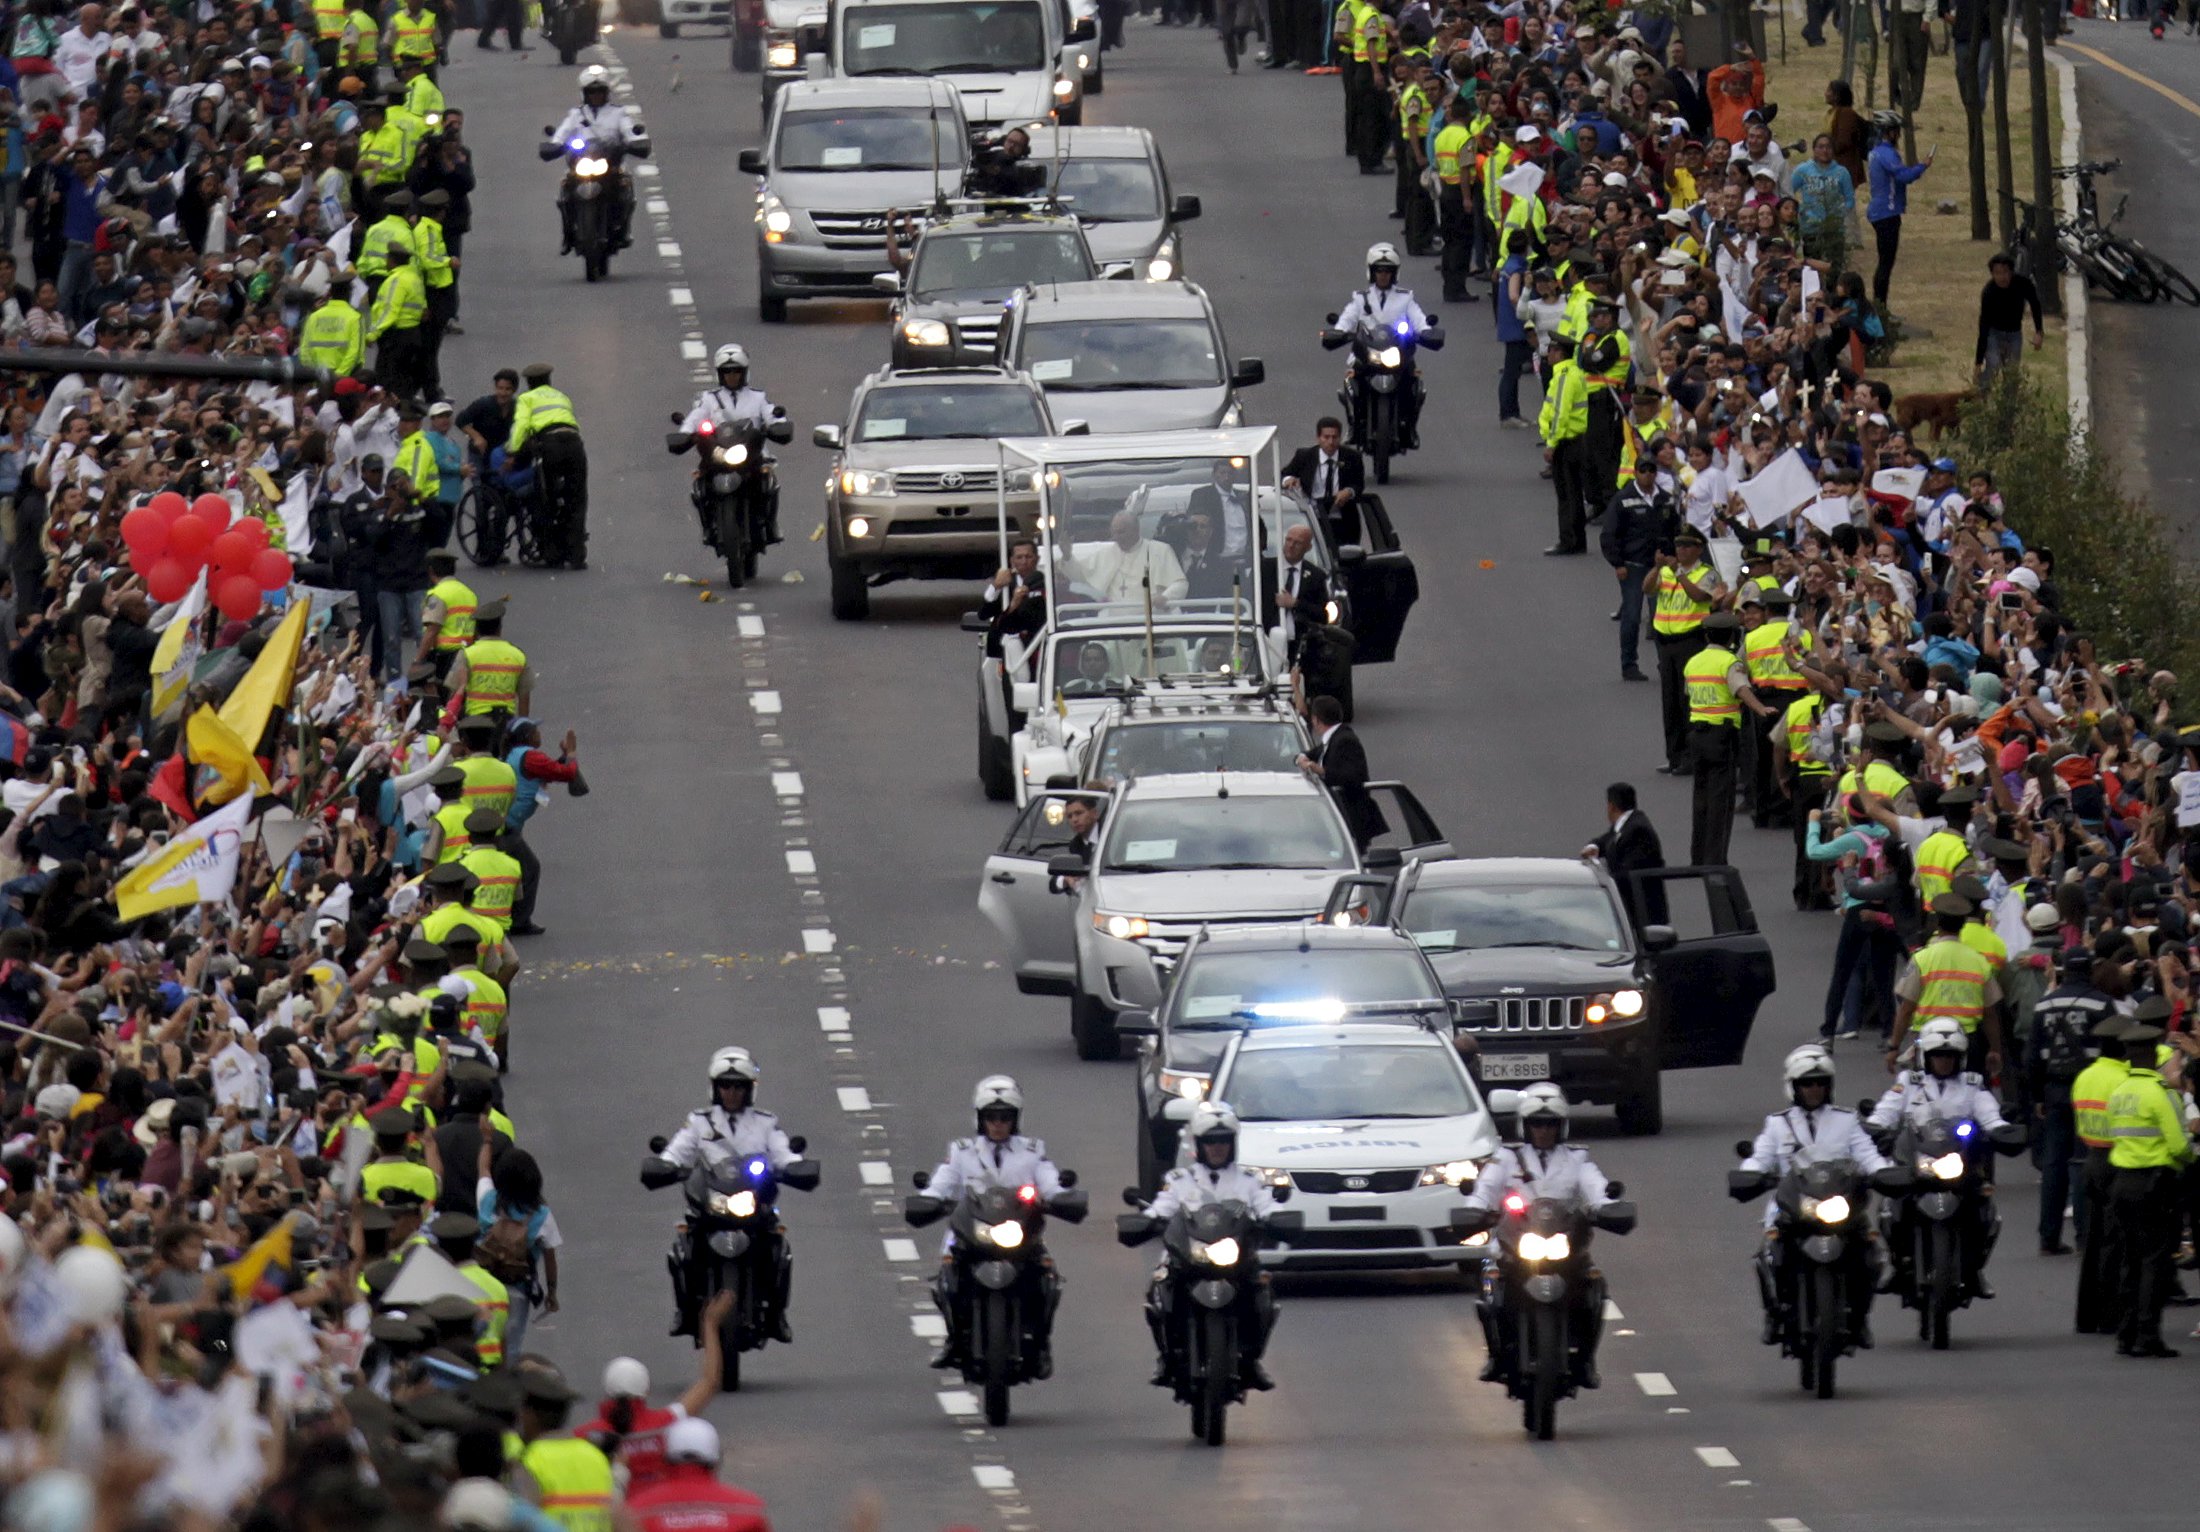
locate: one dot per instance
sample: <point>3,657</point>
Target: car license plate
<point>1358,1215</point>
<point>1516,1066</point>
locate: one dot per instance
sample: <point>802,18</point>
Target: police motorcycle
<point>570,25</point>
<point>736,490</point>
<point>1382,393</point>
<point>591,190</point>
<point>1942,1231</point>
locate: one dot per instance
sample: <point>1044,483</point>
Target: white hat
<point>58,1101</point>
<point>2028,578</point>
<point>456,986</point>
<point>440,407</point>
<point>478,1505</point>
<point>1737,154</point>
<point>625,1378</point>
<point>2043,918</point>
<point>154,1123</point>
<point>260,61</point>
<point>1674,216</point>
<point>1614,178</point>
<point>1676,258</point>
<point>1528,134</point>
<point>691,1440</point>
<point>93,1283</point>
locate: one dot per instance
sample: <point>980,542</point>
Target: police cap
<point>1722,622</point>
<point>1970,886</point>
<point>421,950</point>
<point>379,1276</point>
<point>376,1219</point>
<point>2152,1011</point>
<point>437,198</point>
<point>2001,850</point>
<point>438,1411</point>
<point>491,611</point>
<point>463,939</point>
<point>1881,732</point>
<point>1690,535</point>
<point>537,372</point>
<point>2141,1032</point>
<point>477,726</point>
<point>449,875</point>
<point>391,1122</point>
<point>484,823</point>
<point>1777,600</point>
<point>459,1226</point>
<point>448,777</point>
<point>397,201</point>
<point>1952,904</point>
<point>498,1394</point>
<point>544,1387</point>
<point>400,1332</point>
<point>450,1311</point>
<point>1959,795</point>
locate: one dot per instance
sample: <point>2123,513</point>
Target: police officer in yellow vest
<point>1777,683</point>
<point>392,231</point>
<point>1366,99</point>
<point>333,336</point>
<point>439,272</point>
<point>1454,143</point>
<point>329,17</point>
<point>1945,854</point>
<point>1410,146</point>
<point>358,47</point>
<point>394,325</point>
<point>2089,1093</point>
<point>423,97</point>
<point>544,424</point>
<point>1562,425</point>
<point>415,455</point>
<point>455,1235</point>
<point>496,872</point>
<point>447,616</point>
<point>1948,978</point>
<point>1606,357</point>
<point>491,781</point>
<point>488,1008</point>
<point>412,34</point>
<point>1872,775</point>
<point>448,887</point>
<point>1524,224</point>
<point>447,823</point>
<point>1683,590</point>
<point>391,1165</point>
<point>385,153</point>
<point>1803,779</point>
<point>492,673</point>
<point>2149,1150</point>
<point>573,1476</point>
<point>1718,696</point>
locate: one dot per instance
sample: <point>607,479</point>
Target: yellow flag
<point>218,748</point>
<point>272,1249</point>
<point>177,656</point>
<point>200,864</point>
<point>266,686</point>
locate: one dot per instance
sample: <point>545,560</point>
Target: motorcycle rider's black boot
<point>948,1354</point>
<point>1589,1324</point>
<point>1768,1290</point>
<point>1494,1368</point>
<point>1251,1373</point>
<point>782,1327</point>
<point>684,1308</point>
<point>1157,1321</point>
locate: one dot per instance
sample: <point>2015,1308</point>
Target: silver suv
<point>1128,356</point>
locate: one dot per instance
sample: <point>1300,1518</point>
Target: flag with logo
<point>199,866</point>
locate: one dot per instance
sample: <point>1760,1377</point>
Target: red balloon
<point>167,580</point>
<point>168,505</point>
<point>238,598</point>
<point>213,510</point>
<point>188,537</point>
<point>146,534</point>
<point>255,529</point>
<point>270,569</point>
<point>231,554</point>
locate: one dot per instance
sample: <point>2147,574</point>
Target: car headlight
<point>773,214</point>
<point>1389,356</point>
<point>735,455</point>
<point>859,526</point>
<point>589,166</point>
<point>1627,1002</point>
<point>1831,1210</point>
<point>1004,1236</point>
<point>1269,1175</point>
<point>1064,89</point>
<point>1223,1252</point>
<point>873,484</point>
<point>927,332</point>
<point>1545,1247</point>
<point>1333,612</point>
<point>1947,1167</point>
<point>1163,264</point>
<point>1451,1173</point>
<point>1124,928</point>
<point>1235,414</point>
<point>1182,1082</point>
<point>780,56</point>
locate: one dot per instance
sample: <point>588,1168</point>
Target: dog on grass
<point>1943,412</point>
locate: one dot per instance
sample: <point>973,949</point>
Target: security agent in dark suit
<point>1332,477</point>
<point>1340,760</point>
<point>1015,598</point>
<point>1228,502</point>
<point>1630,844</point>
<point>1297,593</point>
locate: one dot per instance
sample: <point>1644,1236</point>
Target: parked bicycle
<point>2115,263</point>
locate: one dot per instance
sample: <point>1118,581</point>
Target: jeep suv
<point>948,309</point>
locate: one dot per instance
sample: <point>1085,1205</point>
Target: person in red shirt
<point>629,1430</point>
<point>689,1498</point>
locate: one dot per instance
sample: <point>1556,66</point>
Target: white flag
<point>199,866</point>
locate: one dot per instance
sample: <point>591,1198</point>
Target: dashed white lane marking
<point>765,703</point>
<point>668,249</point>
<point>928,1327</point>
<point>645,170</point>
<point>958,1401</point>
<point>801,863</point>
<point>817,939</point>
<point>657,205</point>
<point>1785,1524</point>
<point>854,1098</point>
<point>992,1476</point>
<point>1611,1310</point>
<point>1656,1384</point>
<point>748,626</point>
<point>832,1018</point>
<point>901,1250</point>
<point>681,298</point>
<point>875,1172</point>
<point>788,784</point>
<point>695,351</point>
<point>1718,1457</point>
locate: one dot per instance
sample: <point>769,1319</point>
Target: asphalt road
<point>762,771</point>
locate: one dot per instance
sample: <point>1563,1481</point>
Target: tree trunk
<point>2004,172</point>
<point>1974,132</point>
<point>2043,186</point>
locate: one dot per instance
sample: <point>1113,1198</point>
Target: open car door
<point>1716,970</point>
<point>1413,833</point>
<point>1017,895</point>
<point>1361,899</point>
<point>1382,583</point>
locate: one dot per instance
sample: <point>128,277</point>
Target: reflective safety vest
<point>2146,1131</point>
<point>401,303</point>
<point>424,99</point>
<point>1451,141</point>
<point>1764,651</point>
<point>1356,33</point>
<point>487,1006</point>
<point>496,1312</point>
<point>333,336</point>
<point>1565,412</point>
<point>378,1176</point>
<point>1526,215</point>
<point>1942,855</point>
<point>1952,981</point>
<point>536,410</point>
<point>576,1482</point>
<point>456,630</point>
<point>493,670</point>
<point>497,887</point>
<point>438,924</point>
<point>412,37</point>
<point>1575,324</point>
<point>1677,611</point>
<point>328,19</point>
<point>1802,722</point>
<point>385,154</point>
<point>452,817</point>
<point>1710,699</point>
<point>1614,371</point>
<point>1413,113</point>
<point>1981,939</point>
<point>390,232</point>
<point>2089,1094</point>
<point>1494,165</point>
<point>1374,32</point>
<point>1879,777</point>
<point>1635,437</point>
<point>416,461</point>
<point>364,42</point>
<point>435,254</point>
<point>490,784</point>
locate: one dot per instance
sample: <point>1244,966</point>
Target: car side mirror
<point>886,281</point>
<point>657,1144</point>
<point>1067,864</point>
<point>1383,858</point>
<point>1177,1109</point>
<point>1248,372</point>
<point>1660,938</point>
<point>1136,1024</point>
<point>972,622</point>
<point>1185,208</point>
<point>751,161</point>
<point>1349,554</point>
<point>798,1144</point>
<point>1503,1102</point>
<point>1023,696</point>
<point>921,1179</point>
<point>827,437</point>
<point>1077,428</point>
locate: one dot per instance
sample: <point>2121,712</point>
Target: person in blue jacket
<point>1890,187</point>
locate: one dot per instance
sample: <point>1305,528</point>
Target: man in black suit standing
<point>1340,761</point>
<point>1297,592</point>
<point>1630,844</point>
<point>1332,477</point>
<point>1228,502</point>
<point>1015,598</point>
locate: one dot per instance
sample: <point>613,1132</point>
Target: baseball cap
<point>691,1440</point>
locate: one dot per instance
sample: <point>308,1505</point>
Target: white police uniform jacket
<point>1919,1097</point>
<point>1566,1174</point>
<point>1372,306</point>
<point>978,1164</point>
<point>730,407</point>
<point>1194,1186</point>
<point>709,1137</point>
<point>1797,1137</point>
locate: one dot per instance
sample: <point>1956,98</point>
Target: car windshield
<point>1244,830</point>
<point>1358,1083</point>
<point>1106,667</point>
<point>1095,355</point>
<point>1196,744</point>
<point>974,262</point>
<point>933,413</point>
<point>1235,989</point>
<point>868,138</point>
<point>1578,916</point>
<point>1110,191</point>
<point>989,38</point>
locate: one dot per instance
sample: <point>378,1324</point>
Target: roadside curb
<point>2077,334</point>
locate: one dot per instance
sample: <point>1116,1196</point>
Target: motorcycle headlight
<point>780,56</point>
<point>1124,928</point>
<point>1832,1210</point>
<point>589,166</point>
<point>741,1204</point>
<point>869,483</point>
<point>1389,356</point>
<point>1451,1173</point>
<point>735,455</point>
<point>1004,1236</point>
<point>927,332</point>
<point>1545,1247</point>
<point>1269,1175</point>
<point>1176,1082</point>
<point>1223,1252</point>
<point>1064,89</point>
<point>1948,1167</point>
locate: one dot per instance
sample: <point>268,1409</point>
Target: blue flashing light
<point>1963,1130</point>
<point>578,144</point>
<point>1405,327</point>
<point>756,1167</point>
